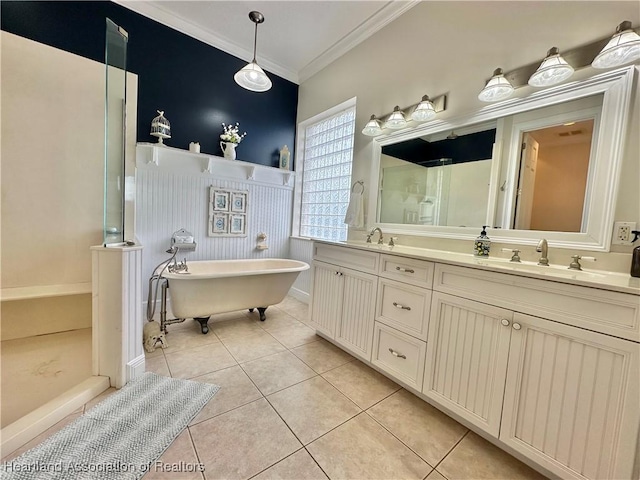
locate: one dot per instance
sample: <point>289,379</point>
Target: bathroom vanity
<point>542,361</point>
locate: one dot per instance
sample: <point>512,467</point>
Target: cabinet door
<point>571,401</point>
<point>326,298</point>
<point>355,327</point>
<point>466,365</point>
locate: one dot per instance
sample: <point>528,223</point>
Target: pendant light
<point>497,88</point>
<point>424,111</point>
<point>372,128</point>
<point>396,120</point>
<point>553,70</point>
<point>252,77</point>
<point>624,47</point>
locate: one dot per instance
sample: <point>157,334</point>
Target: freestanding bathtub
<point>220,286</point>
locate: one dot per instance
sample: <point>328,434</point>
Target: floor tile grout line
<point>400,440</point>
<point>284,388</point>
<point>195,450</point>
<point>316,461</point>
<point>284,421</point>
<point>451,450</point>
<point>341,393</point>
<point>230,410</point>
<point>276,463</point>
<point>319,373</point>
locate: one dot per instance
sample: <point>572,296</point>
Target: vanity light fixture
<point>553,70</point>
<point>424,111</point>
<point>624,47</point>
<point>497,88</point>
<point>396,120</point>
<point>372,128</point>
<point>252,77</point>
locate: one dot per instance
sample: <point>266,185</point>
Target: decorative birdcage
<point>160,127</point>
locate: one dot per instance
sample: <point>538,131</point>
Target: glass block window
<point>326,177</point>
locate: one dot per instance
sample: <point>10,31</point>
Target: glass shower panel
<point>115,103</point>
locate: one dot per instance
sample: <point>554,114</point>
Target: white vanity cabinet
<point>466,364</point>
<point>571,400</point>
<point>565,397</point>
<point>547,369</point>
<point>342,305</point>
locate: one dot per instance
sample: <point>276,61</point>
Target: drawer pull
<point>406,270</point>
<point>401,307</point>
<point>396,354</point>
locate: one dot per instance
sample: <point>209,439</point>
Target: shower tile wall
<point>167,201</point>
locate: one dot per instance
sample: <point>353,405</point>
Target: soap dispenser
<point>635,257</point>
<point>483,244</point>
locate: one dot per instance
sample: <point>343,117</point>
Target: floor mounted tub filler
<point>209,287</point>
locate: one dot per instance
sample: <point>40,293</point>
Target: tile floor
<point>293,406</point>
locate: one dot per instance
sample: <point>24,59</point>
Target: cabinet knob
<point>339,274</point>
<point>517,326</point>
<point>406,270</point>
<point>401,307</point>
<point>505,322</point>
<point>396,354</point>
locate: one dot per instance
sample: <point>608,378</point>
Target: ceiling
<point>297,38</point>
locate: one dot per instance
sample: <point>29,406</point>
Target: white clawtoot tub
<point>219,286</point>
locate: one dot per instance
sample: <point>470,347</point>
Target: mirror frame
<point>616,85</point>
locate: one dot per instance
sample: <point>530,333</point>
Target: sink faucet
<point>380,241</point>
<point>543,248</point>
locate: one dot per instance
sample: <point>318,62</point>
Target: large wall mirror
<point>543,166</point>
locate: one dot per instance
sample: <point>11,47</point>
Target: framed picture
<point>238,202</point>
<point>220,201</point>
<point>219,224</point>
<point>236,224</point>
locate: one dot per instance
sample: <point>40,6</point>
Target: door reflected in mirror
<point>440,179</point>
<point>554,167</point>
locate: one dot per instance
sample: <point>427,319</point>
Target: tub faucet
<point>543,248</point>
<point>179,267</point>
<point>380,241</point>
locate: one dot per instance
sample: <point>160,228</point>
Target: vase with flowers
<point>229,139</point>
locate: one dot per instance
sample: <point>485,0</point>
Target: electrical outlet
<point>622,233</point>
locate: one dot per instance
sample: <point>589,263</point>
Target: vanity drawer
<point>398,354</point>
<point>403,307</point>
<point>603,311</point>
<point>414,272</point>
<point>360,260</point>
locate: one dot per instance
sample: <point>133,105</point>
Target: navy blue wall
<point>190,80</point>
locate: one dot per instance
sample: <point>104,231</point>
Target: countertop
<point>614,281</point>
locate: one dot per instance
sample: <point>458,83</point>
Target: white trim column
<point>116,311</point>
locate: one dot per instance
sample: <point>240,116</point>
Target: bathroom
<point>197,96</point>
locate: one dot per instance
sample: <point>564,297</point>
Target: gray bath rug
<point>121,437</point>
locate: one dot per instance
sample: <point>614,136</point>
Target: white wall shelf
<point>153,155</point>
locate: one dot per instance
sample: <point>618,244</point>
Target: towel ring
<point>359,182</point>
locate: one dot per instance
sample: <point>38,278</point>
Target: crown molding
<point>375,22</point>
<point>384,16</point>
<point>170,19</point>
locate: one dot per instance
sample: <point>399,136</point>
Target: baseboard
<point>135,368</point>
<point>33,424</point>
<point>299,295</point>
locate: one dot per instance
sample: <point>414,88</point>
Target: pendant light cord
<point>255,43</point>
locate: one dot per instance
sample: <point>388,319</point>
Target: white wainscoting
<point>174,193</point>
<point>301,249</point>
